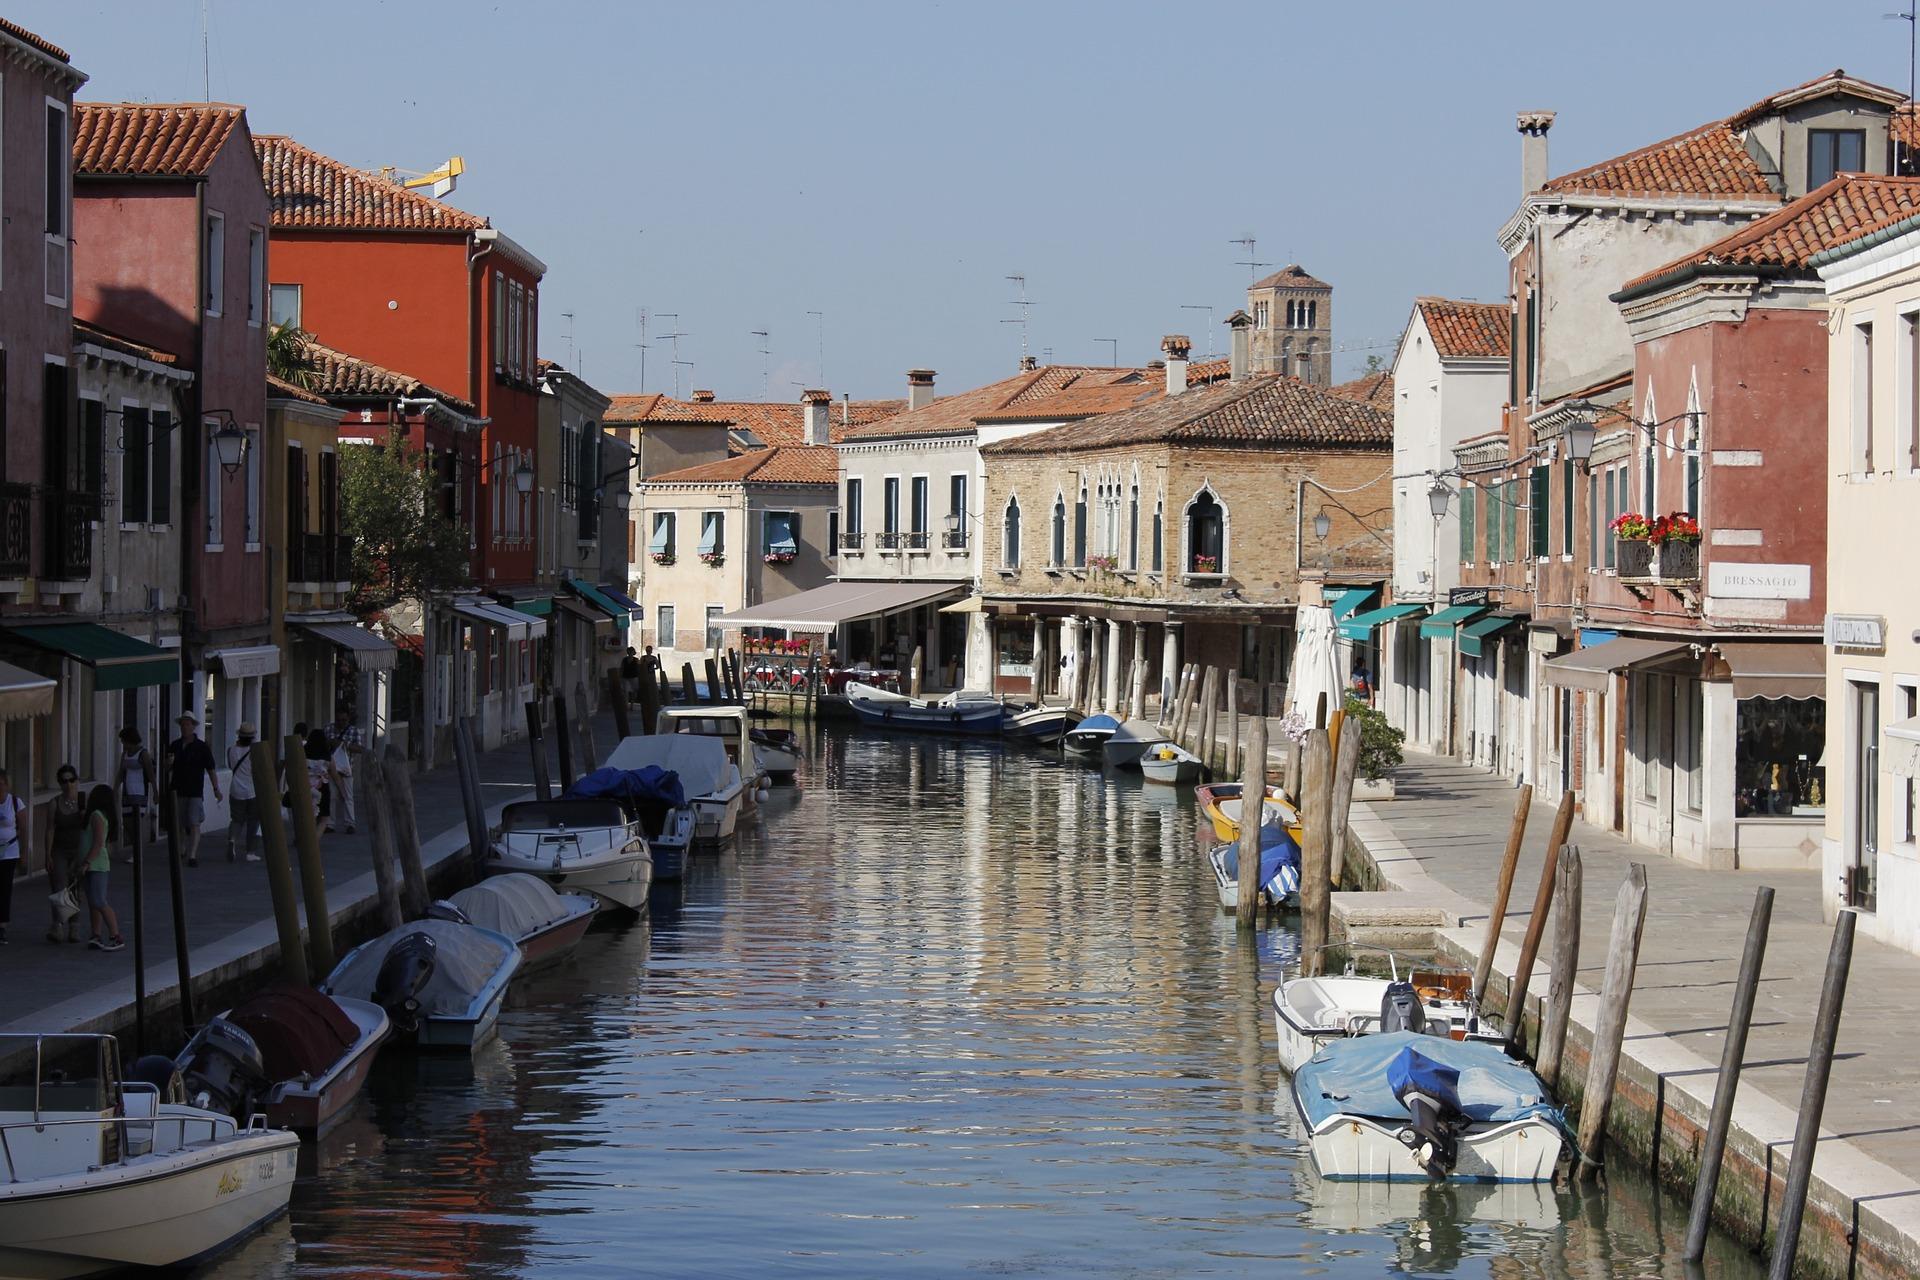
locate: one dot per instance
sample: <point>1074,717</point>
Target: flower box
<point>781,557</point>
<point>714,558</point>
<point>1205,564</point>
<point>663,557</point>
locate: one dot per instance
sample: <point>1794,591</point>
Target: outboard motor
<point>442,909</point>
<point>223,1070</point>
<point>1429,1091</point>
<point>403,975</point>
<point>1401,1010</point>
<point>158,1070</point>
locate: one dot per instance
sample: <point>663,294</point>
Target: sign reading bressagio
<point>1736,581</point>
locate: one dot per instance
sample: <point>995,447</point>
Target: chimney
<point>919,389</point>
<point>1177,346</point>
<point>1533,126</point>
<point>816,413</point>
<point>703,397</point>
<point>1241,362</point>
<point>1029,363</point>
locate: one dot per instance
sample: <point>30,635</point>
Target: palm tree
<point>287,356</point>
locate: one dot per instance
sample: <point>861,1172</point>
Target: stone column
<point>1136,678</point>
<point>1112,671</point>
<point>1169,665</point>
<point>1070,652</point>
<point>1039,658</point>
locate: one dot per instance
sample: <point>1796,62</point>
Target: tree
<point>405,547</point>
<point>288,356</point>
<point>1376,363</point>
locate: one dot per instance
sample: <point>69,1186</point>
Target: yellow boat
<point>1220,801</point>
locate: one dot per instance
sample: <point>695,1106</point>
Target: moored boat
<point>441,982</point>
<point>654,798</point>
<point>1089,737</point>
<point>1041,725</point>
<point>1403,1105</point>
<point>964,711</point>
<point>778,751</point>
<point>1171,764</point>
<point>732,727</point>
<point>1133,739</point>
<point>297,1055</point>
<point>1308,1012</point>
<point>575,844</point>
<point>1220,802</point>
<point>104,1173</point>
<point>709,780</point>
<point>546,924</point>
<point>1279,871</point>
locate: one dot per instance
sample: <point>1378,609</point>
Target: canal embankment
<point>1426,864</point>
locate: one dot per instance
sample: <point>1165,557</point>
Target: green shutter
<point>1468,497</point>
<point>1510,535</point>
<point>1566,514</point>
<point>1540,509</point>
<point>1490,521</point>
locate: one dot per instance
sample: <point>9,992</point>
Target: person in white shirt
<point>133,775</point>
<point>243,805</point>
<point>12,815</point>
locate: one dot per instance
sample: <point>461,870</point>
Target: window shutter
<point>1510,539</point>
<point>1490,521</point>
<point>1540,507</point>
<point>93,464</point>
<point>161,511</point>
<point>1468,497</point>
<point>136,456</point>
<point>1566,515</point>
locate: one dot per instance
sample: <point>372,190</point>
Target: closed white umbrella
<point>1315,663</point>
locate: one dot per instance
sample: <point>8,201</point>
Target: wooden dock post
<point>1516,834</point>
<point>688,693</point>
<point>537,748</point>
<point>1295,766</point>
<point>563,738</point>
<point>466,759</point>
<point>371,794</point>
<point>1253,784</point>
<point>1346,763</point>
<point>1209,714</point>
<point>1566,962</point>
<point>1188,698</point>
<point>1610,1028</point>
<point>416,897</point>
<point>1316,850</point>
<point>313,878</point>
<point>649,703</point>
<point>1320,710</point>
<point>1536,926</point>
<point>273,839</point>
<point>1231,766</point>
<point>617,699</point>
<point>913,673</point>
<point>715,694</point>
<point>589,750</point>
<point>1813,1097</point>
<point>1732,1054</point>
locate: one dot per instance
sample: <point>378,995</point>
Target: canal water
<point>947,1009</point>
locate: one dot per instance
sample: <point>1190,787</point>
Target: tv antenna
<point>1113,345</point>
<point>1197,306</point>
<point>766,361</point>
<point>1022,303</point>
<point>820,319</point>
<point>1912,19</point>
<point>676,375</point>
<point>1252,266</point>
<point>568,317</point>
<point>673,337</point>
<point>640,318</point>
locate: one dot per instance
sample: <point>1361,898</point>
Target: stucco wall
<point>939,459</point>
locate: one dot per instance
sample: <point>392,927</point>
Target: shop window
<point>1776,762</point>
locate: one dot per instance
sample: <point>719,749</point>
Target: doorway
<point>1863,826</point>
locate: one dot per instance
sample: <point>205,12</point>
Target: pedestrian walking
<point>343,745</point>
<point>322,779</point>
<point>103,927</point>
<point>192,774</point>
<point>630,671</point>
<point>243,804</point>
<point>66,841</point>
<point>11,807</point>
<point>133,775</point>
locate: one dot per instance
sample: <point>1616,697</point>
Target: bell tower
<point>1292,325</point>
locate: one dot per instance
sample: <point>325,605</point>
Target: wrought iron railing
<point>1633,558</point>
<point>918,540</point>
<point>954,539</point>
<point>1679,562</point>
<point>16,531</point>
<point>70,519</point>
<point>852,540</point>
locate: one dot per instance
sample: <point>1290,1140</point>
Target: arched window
<point>1080,528</point>
<point>1159,536</point>
<point>1010,536</point>
<point>1059,531</point>
<point>1133,529</point>
<point>1206,540</point>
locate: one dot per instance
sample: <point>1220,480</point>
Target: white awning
<point>254,660</point>
<point>837,603</point>
<point>511,621</point>
<point>1590,668</point>
<point>368,651</point>
<point>23,694</point>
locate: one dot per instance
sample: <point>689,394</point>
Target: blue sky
<point>888,165</point>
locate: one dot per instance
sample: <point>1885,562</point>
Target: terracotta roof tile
<point>1375,389</point>
<point>1027,396</point>
<point>770,423</point>
<point>83,331</point>
<point>1850,206</point>
<point>314,192</point>
<point>1708,161</point>
<point>339,376</point>
<point>782,464</point>
<point>44,45</point>
<point>1821,85</point>
<point>1467,330</point>
<point>281,389</point>
<point>1291,276</point>
<point>1264,412</point>
<point>151,140</point>
<point>1905,127</point>
<point>1205,371</point>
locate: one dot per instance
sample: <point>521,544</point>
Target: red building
<point>170,234</point>
<point>405,281</point>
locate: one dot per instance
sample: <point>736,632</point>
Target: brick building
<point>1292,325</point>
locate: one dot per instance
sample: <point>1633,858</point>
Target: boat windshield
<point>553,815</point>
<point>709,726</point>
<point>56,1072</point>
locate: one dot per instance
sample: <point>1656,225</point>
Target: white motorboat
<point>1308,1012</point>
<point>1169,763</point>
<point>1089,737</point>
<point>732,727</point>
<point>289,1051</point>
<point>1404,1105</point>
<point>577,846</point>
<point>709,779</point>
<point>1132,740</point>
<point>778,751</point>
<point>441,982</point>
<point>102,1174</point>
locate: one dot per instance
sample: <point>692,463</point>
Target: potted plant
<point>1206,564</point>
<point>1678,527</point>
<point>663,557</point>
<point>1631,526</point>
<point>714,558</point>
<point>781,557</point>
<point>1380,751</point>
<point>1105,563</point>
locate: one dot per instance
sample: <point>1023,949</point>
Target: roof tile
<point>313,192</point>
<point>151,140</point>
<point>1267,411</point>
<point>1291,276</point>
<point>781,464</point>
<point>337,375</point>
<point>1375,389</point>
<point>1467,330</point>
<point>44,45</point>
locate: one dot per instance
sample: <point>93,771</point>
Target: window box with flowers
<point>1105,564</point>
<point>1677,542</point>
<point>1633,545</point>
<point>781,557</point>
<point>713,558</point>
<point>663,557</point>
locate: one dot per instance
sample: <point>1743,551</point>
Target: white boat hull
<point>153,1211</point>
<point>1171,772</point>
<point>1125,753</point>
<point>620,877</point>
<point>716,816</point>
<point>1346,1146</point>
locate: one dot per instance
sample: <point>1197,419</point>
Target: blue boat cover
<point>1096,722</point>
<point>649,782</point>
<point>1279,863</point>
<point>1353,1077</point>
<point>1412,1071</point>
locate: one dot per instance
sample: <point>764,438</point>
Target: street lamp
<point>1322,526</point>
<point>523,478</point>
<point>1438,495</point>
<point>230,447</point>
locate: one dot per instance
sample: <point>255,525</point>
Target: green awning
<point>1474,633</point>
<point>601,601</point>
<point>118,661</point>
<point>1360,626</point>
<point>1351,599</point>
<point>1440,626</point>
<point>537,608</point>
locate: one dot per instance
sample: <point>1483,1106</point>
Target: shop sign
<point>1736,581</point>
<point>1856,631</point>
<point>1016,668</point>
<point>1466,595</point>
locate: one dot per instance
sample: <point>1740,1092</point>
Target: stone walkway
<point>47,986</point>
<point>1444,836</point>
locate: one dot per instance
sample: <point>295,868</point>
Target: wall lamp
<point>229,441</point>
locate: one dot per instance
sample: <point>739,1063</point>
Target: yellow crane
<point>439,183</point>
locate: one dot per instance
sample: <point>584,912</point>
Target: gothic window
<point>1159,536</point>
<point>1010,536</point>
<point>1059,531</point>
<point>1133,529</point>
<point>1080,528</point>
<point>1206,535</point>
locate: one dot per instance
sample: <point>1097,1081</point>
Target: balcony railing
<point>1678,562</point>
<point>16,531</point>
<point>888,541</point>
<point>853,540</point>
<point>1633,558</point>
<point>918,540</point>
<point>69,545</point>
<point>954,539</point>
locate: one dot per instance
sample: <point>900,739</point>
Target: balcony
<point>317,558</point>
<point>854,541</point>
<point>954,540</point>
<point>918,540</point>
<point>16,531</point>
<point>1633,559</point>
<point>69,535</point>
<point>888,540</point>
<point>1678,562</point>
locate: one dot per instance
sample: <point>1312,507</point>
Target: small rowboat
<point>1220,801</point>
<point>1089,736</point>
<point>1168,763</point>
<point>546,924</point>
<point>1279,871</point>
<point>1131,741</point>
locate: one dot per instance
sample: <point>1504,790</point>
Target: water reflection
<point>945,1009</point>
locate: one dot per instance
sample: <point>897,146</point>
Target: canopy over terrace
<point>838,603</point>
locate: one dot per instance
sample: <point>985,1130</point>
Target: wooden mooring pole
<point>1610,1028</point>
<point>1346,763</point>
<point>475,811</point>
<point>537,748</point>
<point>617,699</point>
<point>273,840</point>
<point>1566,962</point>
<point>589,750</point>
<point>715,694</point>
<point>688,693</point>
<point>1516,834</point>
<point>1231,765</point>
<point>1813,1097</point>
<point>415,895</point>
<point>1253,799</point>
<point>1536,926</point>
<point>306,833</point>
<point>563,737</point>
<point>1316,849</point>
<point>373,800</point>
<point>1732,1054</point>
<point>649,703</point>
<point>1209,716</point>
